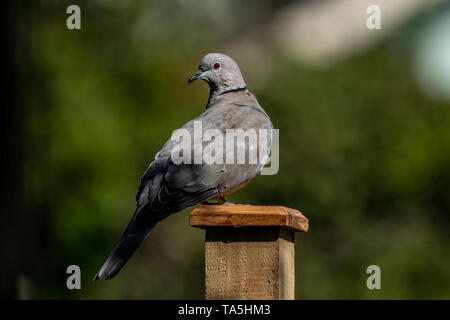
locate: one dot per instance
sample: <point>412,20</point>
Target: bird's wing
<point>167,187</point>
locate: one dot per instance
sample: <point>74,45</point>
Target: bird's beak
<point>196,76</point>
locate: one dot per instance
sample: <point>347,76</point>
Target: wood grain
<point>241,216</point>
<point>249,263</point>
<point>249,250</point>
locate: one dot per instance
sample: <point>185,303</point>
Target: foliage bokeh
<point>364,153</point>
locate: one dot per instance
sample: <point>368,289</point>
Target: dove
<point>168,187</point>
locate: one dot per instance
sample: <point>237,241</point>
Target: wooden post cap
<point>248,216</point>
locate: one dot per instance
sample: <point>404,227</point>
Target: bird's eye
<point>216,66</point>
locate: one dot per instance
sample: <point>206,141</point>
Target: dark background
<point>364,120</point>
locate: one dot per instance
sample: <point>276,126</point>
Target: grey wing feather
<point>167,187</point>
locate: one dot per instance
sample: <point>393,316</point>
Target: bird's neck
<point>214,92</point>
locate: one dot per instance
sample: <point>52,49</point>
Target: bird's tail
<point>124,249</point>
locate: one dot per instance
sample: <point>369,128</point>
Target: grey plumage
<point>167,188</point>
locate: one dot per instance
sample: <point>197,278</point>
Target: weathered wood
<point>249,250</point>
<point>240,216</point>
<point>249,263</point>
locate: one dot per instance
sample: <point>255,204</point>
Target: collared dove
<point>167,188</point>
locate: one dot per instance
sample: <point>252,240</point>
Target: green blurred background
<point>364,120</point>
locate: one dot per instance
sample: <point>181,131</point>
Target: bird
<point>167,187</point>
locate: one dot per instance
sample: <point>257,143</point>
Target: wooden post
<point>249,250</point>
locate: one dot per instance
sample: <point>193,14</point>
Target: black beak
<point>196,76</point>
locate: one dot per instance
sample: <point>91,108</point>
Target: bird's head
<point>220,72</point>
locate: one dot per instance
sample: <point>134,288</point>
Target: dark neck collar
<point>237,89</point>
<point>213,94</point>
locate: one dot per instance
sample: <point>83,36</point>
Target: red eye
<point>216,65</point>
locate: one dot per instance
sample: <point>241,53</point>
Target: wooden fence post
<point>249,250</point>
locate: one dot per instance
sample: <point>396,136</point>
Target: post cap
<point>246,216</point>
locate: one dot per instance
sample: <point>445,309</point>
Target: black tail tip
<point>106,272</point>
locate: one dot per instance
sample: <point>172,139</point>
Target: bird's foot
<point>224,202</point>
<point>221,200</point>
